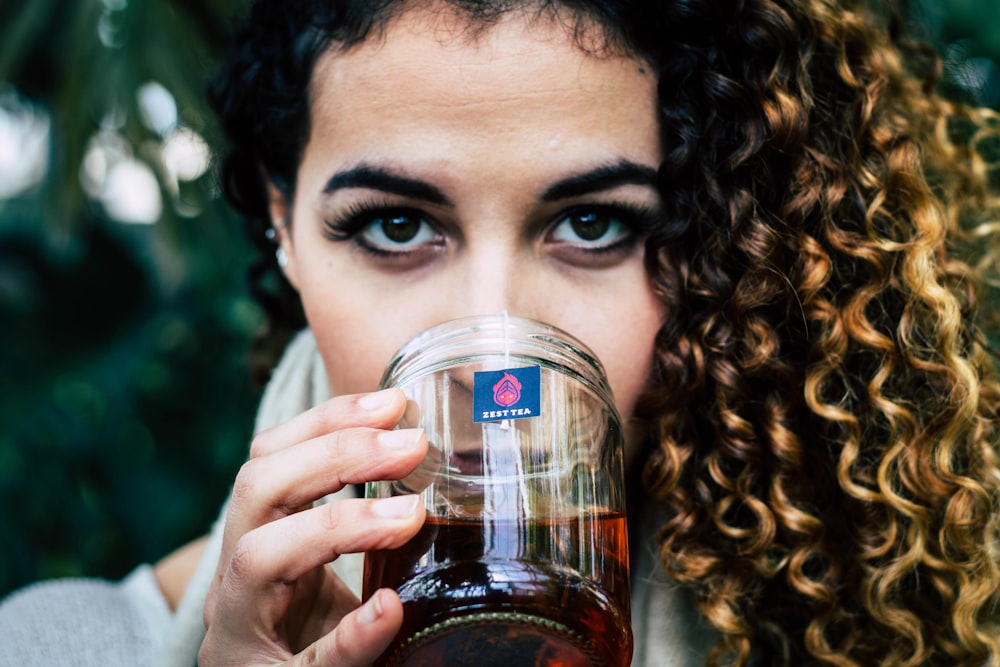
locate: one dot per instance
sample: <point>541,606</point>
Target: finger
<point>360,637</point>
<point>381,409</point>
<point>284,550</point>
<point>283,483</point>
<point>262,572</point>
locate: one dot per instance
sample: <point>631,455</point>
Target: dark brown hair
<point>823,416</point>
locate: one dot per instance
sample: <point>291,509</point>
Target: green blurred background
<point>125,394</point>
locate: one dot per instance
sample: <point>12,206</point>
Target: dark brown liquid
<point>550,593</point>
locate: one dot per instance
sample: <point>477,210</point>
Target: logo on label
<point>507,391</point>
<point>512,393</point>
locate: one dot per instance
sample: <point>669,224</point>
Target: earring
<point>281,256</point>
<point>271,233</point>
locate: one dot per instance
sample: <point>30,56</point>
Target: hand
<point>274,600</point>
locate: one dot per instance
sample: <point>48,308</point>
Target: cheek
<point>352,365</point>
<point>358,331</point>
<point>625,345</point>
<point>355,337</point>
<point>351,338</point>
<point>629,365</point>
<point>629,373</point>
<point>622,331</point>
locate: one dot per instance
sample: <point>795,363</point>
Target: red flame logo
<point>507,391</point>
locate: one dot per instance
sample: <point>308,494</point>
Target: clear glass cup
<point>523,558</point>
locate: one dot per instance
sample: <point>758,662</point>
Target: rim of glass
<point>466,339</point>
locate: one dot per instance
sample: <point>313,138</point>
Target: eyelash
<point>639,220</point>
<point>348,225</point>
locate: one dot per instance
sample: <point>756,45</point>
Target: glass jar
<point>523,557</point>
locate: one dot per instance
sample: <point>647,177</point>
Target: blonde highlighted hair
<point>826,415</point>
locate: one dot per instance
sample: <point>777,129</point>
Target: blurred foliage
<point>125,399</point>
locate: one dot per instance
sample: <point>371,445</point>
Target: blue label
<point>514,393</point>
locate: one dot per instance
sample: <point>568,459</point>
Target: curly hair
<point>827,190</point>
<point>823,416</point>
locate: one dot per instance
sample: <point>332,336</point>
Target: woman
<point>750,210</point>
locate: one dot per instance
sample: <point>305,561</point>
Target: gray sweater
<point>85,622</point>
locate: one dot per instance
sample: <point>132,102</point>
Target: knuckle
<point>330,516</point>
<point>259,444</point>
<point>334,445</point>
<point>208,612</point>
<point>243,560</point>
<point>325,414</point>
<point>312,655</point>
<point>210,653</point>
<point>337,451</point>
<point>205,656</point>
<point>246,480</point>
<point>338,651</point>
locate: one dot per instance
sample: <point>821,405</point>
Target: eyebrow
<point>376,178</point>
<point>606,177</point>
<point>602,178</point>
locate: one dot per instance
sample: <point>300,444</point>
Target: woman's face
<point>449,175</point>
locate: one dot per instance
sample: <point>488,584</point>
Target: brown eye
<point>399,231</point>
<point>592,228</point>
<point>400,237</point>
<point>401,228</point>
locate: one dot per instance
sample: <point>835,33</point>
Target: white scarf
<point>668,632</point>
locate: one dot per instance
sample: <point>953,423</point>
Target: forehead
<point>431,66</point>
<point>456,31</point>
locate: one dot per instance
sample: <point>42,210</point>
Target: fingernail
<point>376,400</point>
<point>396,507</point>
<point>400,439</point>
<point>372,610</point>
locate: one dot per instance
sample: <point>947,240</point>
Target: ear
<point>280,212</point>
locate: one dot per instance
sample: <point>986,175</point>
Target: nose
<point>494,277</point>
